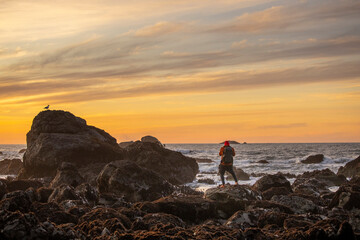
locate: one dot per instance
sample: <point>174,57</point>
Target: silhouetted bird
<point>47,107</point>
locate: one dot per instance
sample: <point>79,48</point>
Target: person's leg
<point>222,172</point>
<point>231,171</point>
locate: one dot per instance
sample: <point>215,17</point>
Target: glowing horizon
<point>185,71</point>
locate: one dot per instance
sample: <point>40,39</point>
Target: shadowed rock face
<point>318,158</point>
<point>171,165</point>
<point>59,136</point>
<point>351,169</point>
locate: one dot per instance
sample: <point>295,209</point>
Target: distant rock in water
<point>22,150</point>
<point>59,136</point>
<point>152,140</point>
<point>173,166</point>
<point>263,162</point>
<point>351,169</point>
<point>1,153</point>
<point>10,166</point>
<point>125,144</point>
<point>318,158</point>
<point>231,142</point>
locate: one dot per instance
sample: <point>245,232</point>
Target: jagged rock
<point>125,144</point>
<point>191,208</point>
<point>297,204</point>
<point>157,221</point>
<point>16,201</point>
<point>88,193</point>
<point>232,198</point>
<point>310,186</point>
<point>326,176</point>
<point>43,194</point>
<point>67,174</point>
<point>171,165</point>
<point>318,158</point>
<point>52,212</point>
<point>10,166</point>
<point>134,183</point>
<point>59,136</point>
<point>351,169</point>
<point>3,189</point>
<point>269,193</point>
<point>244,219</point>
<point>346,197</point>
<point>151,139</point>
<point>63,192</point>
<point>23,185</point>
<point>272,218</point>
<point>269,181</point>
<point>268,205</point>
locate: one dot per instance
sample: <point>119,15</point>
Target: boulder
<point>297,204</point>
<point>62,193</point>
<point>269,193</point>
<point>346,197</point>
<point>151,139</point>
<point>59,136</point>
<point>269,181</point>
<point>43,194</point>
<point>52,212</point>
<point>326,176</point>
<point>125,144</point>
<point>134,183</point>
<point>318,158</point>
<point>263,162</point>
<point>88,193</point>
<point>190,208</point>
<point>241,175</point>
<point>272,218</point>
<point>23,185</point>
<point>244,219</point>
<point>67,174</point>
<point>351,169</point>
<point>310,187</point>
<point>16,201</point>
<point>232,198</point>
<point>10,166</point>
<point>171,165</point>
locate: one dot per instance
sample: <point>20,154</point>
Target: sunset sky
<point>184,71</point>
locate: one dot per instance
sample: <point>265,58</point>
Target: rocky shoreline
<point>76,182</point>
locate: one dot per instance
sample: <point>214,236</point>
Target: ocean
<point>282,157</point>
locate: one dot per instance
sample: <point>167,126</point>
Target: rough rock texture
<point>43,194</point>
<point>125,144</point>
<point>173,166</point>
<point>59,136</point>
<point>297,204</point>
<point>3,189</point>
<point>232,198</point>
<point>351,169</point>
<point>154,221</point>
<point>23,185</point>
<point>134,183</point>
<point>269,181</point>
<point>241,175</point>
<point>325,175</point>
<point>318,158</point>
<point>10,166</point>
<point>67,174</point>
<point>269,193</point>
<point>62,193</point>
<point>346,197</point>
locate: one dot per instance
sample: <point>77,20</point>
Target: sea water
<point>282,157</point>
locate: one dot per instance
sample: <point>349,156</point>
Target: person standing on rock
<point>227,153</point>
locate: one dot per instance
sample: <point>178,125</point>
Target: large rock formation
<point>127,179</point>
<point>351,169</point>
<point>173,166</point>
<point>59,136</point>
<point>318,158</point>
<point>10,166</point>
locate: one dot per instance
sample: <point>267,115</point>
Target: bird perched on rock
<point>47,107</point>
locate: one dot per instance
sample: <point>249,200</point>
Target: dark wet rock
<point>62,193</point>
<point>171,165</point>
<point>206,231</point>
<point>297,204</point>
<point>269,193</point>
<point>88,193</point>
<point>134,183</point>
<point>16,201</point>
<point>269,181</point>
<point>275,207</point>
<point>91,171</point>
<point>330,229</point>
<point>355,181</point>
<point>52,212</point>
<point>351,169</point>
<point>3,189</point>
<point>203,160</point>
<point>206,180</point>
<point>78,211</point>
<point>318,158</point>
<point>272,218</point>
<point>151,139</point>
<point>59,136</point>
<point>190,208</point>
<point>22,150</point>
<point>263,162</point>
<point>157,221</point>
<point>296,223</point>
<point>310,186</point>
<point>23,185</point>
<point>67,174</point>
<point>244,219</point>
<point>255,234</point>
<point>346,197</point>
<point>231,199</point>
<point>241,175</point>
<point>125,144</point>
<point>43,194</point>
<point>102,214</point>
<point>326,176</point>
<point>10,166</point>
